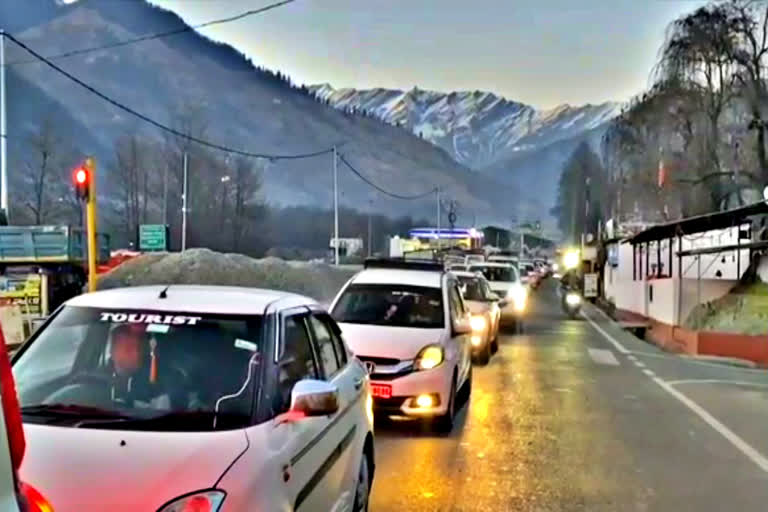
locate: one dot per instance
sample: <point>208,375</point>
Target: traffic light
<point>82,179</point>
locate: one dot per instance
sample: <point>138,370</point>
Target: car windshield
<point>94,368</point>
<point>392,305</point>
<point>472,288</point>
<point>496,273</point>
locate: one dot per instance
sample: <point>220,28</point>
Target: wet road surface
<point>563,419</point>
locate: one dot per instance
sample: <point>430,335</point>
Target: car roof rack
<point>405,264</point>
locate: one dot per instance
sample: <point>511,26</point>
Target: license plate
<point>381,390</point>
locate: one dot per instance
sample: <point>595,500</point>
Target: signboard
<point>152,237</point>
<point>23,290</point>
<point>590,285</point>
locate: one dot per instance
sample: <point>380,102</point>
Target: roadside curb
<point>725,361</point>
<point>733,362</point>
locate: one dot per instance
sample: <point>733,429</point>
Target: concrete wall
<point>662,303</point>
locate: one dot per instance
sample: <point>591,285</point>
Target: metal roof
<point>699,223</point>
<point>223,300</point>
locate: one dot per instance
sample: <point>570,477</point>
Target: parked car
<point>204,398</point>
<point>406,320</point>
<point>485,307</point>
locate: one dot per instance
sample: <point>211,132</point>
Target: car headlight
<point>429,357</point>
<point>477,323</point>
<point>203,501</point>
<point>519,296</point>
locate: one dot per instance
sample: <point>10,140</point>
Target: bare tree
<point>45,182</point>
<point>247,208</point>
<point>135,163</point>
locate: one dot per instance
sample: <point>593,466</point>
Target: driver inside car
<point>133,361</point>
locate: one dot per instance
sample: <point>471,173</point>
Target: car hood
<point>90,470</point>
<point>501,287</point>
<point>402,343</point>
<point>477,307</point>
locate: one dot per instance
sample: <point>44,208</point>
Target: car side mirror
<point>310,398</point>
<point>493,297</point>
<point>462,325</point>
<point>503,304</point>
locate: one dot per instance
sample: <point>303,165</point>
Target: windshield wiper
<point>70,411</point>
<point>196,421</point>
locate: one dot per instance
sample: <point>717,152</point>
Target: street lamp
<point>225,179</point>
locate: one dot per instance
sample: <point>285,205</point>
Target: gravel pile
<point>203,266</point>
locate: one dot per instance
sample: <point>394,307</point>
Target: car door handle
<point>358,383</point>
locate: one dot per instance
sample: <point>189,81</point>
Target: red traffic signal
<point>82,179</point>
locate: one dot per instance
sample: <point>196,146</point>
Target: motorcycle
<point>571,302</point>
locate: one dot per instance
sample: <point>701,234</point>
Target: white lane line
<point>648,372</point>
<point>640,364</point>
<point>745,448</point>
<point>616,344</point>
<point>632,358</point>
<point>602,356</point>
<point>717,381</point>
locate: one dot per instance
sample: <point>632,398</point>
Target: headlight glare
<point>429,357</point>
<point>477,323</point>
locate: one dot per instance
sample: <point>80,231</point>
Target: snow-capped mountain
<point>478,128</point>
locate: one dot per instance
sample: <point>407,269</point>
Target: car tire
<point>363,487</point>
<point>444,423</point>
<point>484,356</point>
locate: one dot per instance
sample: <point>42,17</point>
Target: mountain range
<point>477,128</point>
<point>481,149</point>
<point>245,107</point>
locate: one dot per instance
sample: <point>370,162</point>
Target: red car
<point>15,495</point>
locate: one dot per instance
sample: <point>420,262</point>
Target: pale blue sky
<point>542,52</point>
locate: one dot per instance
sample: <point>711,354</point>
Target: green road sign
<point>152,237</point>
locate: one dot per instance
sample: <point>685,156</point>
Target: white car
<point>181,398</point>
<point>409,325</point>
<point>505,282</point>
<point>485,307</point>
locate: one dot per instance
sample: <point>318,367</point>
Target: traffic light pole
<point>90,209</point>
<point>3,132</point>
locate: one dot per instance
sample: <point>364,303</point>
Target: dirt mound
<point>744,311</point>
<point>203,266</point>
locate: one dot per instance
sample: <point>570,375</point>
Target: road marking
<point>616,344</point>
<point>648,372</point>
<point>640,364</point>
<point>632,358</point>
<point>717,381</point>
<point>602,356</point>
<point>745,448</point>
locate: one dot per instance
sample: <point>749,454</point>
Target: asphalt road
<point>563,419</point>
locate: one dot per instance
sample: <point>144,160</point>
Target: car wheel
<point>484,356</point>
<point>445,422</point>
<point>363,488</point>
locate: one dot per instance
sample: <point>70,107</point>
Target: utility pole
<point>335,207</point>
<point>437,190</point>
<point>184,201</point>
<point>370,212</point>
<point>165,196</point>
<point>3,132</point>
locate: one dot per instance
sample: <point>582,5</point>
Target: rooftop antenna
<point>164,293</point>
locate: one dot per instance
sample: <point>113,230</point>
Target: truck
<point>41,267</point>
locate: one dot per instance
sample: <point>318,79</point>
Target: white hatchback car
<point>407,322</point>
<point>180,398</point>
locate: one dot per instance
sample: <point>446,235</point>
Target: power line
<point>380,189</point>
<point>157,124</point>
<point>149,37</point>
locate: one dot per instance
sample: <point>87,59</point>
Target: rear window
<point>471,288</point>
<point>504,274</point>
<point>140,369</point>
<point>392,305</point>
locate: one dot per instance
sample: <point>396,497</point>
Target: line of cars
<point>220,399</point>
